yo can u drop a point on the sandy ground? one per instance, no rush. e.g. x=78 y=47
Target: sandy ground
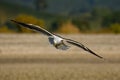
x=31 y=57
x=38 y=44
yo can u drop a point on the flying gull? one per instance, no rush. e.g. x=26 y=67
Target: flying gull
x=57 y=41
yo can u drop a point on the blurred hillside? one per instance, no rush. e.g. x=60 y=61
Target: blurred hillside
x=86 y=16
x=70 y=6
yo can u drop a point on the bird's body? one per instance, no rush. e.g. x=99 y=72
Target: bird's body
x=57 y=41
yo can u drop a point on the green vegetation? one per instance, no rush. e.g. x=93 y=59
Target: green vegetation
x=93 y=16
x=115 y=28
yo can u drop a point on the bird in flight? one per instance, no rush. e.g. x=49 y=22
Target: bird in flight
x=57 y=41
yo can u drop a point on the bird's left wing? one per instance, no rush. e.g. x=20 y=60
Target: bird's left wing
x=34 y=27
x=82 y=46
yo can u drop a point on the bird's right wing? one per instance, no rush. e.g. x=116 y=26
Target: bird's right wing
x=34 y=27
x=82 y=46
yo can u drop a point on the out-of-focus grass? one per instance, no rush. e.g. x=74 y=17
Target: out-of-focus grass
x=82 y=71
x=23 y=57
x=58 y=67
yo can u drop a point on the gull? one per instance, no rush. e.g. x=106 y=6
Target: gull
x=57 y=41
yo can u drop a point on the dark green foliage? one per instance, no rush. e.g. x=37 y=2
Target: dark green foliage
x=56 y=24
x=111 y=19
x=12 y=27
x=86 y=15
x=82 y=25
x=40 y=5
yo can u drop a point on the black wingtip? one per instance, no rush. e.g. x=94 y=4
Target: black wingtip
x=101 y=58
x=14 y=21
x=21 y=23
x=96 y=54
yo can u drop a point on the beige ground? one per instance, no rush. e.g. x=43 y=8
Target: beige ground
x=30 y=57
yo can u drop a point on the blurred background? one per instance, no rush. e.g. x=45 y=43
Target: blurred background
x=78 y=16
x=29 y=56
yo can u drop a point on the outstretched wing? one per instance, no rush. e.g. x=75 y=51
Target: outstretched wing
x=82 y=46
x=34 y=27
